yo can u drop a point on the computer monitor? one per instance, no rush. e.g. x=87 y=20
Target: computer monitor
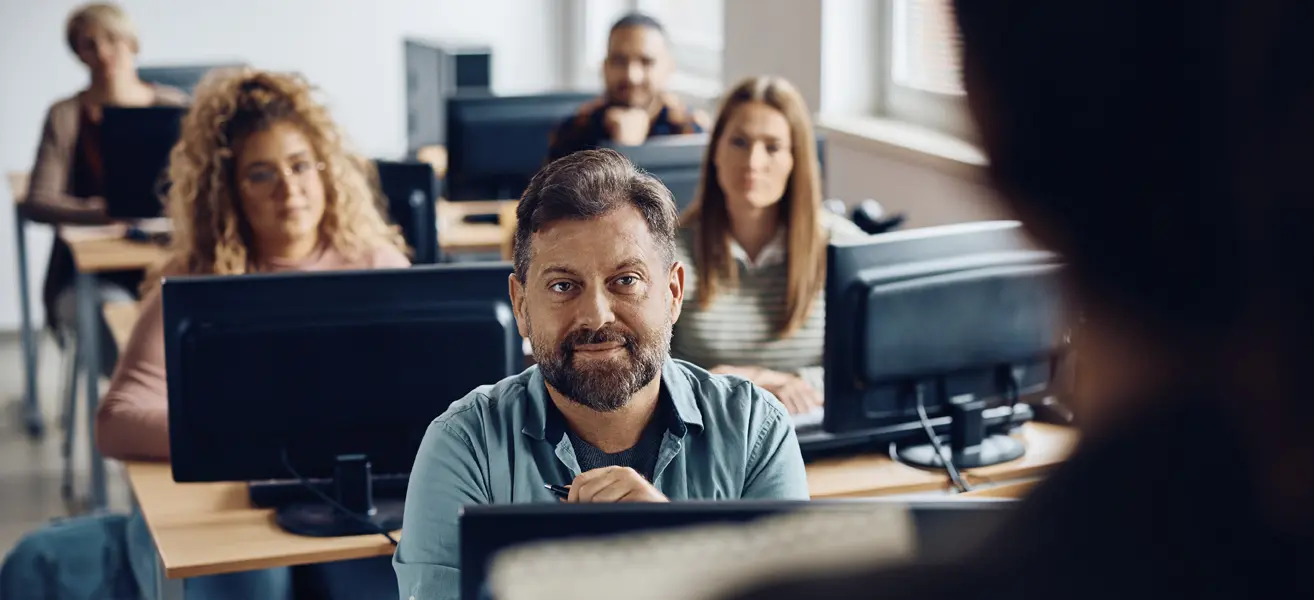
x=183 y=77
x=964 y=320
x=943 y=529
x=495 y=144
x=436 y=70
x=412 y=188
x=677 y=161
x=134 y=147
x=332 y=375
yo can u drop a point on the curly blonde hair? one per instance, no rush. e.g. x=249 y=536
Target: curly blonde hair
x=210 y=234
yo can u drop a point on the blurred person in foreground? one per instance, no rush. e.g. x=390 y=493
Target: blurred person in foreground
x=1164 y=149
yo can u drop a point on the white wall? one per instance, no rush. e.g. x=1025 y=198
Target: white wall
x=352 y=49
x=774 y=37
x=827 y=49
x=926 y=195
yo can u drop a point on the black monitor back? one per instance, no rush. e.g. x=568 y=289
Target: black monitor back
x=183 y=77
x=495 y=144
x=134 y=146
x=412 y=189
x=318 y=365
x=942 y=528
x=677 y=161
x=953 y=303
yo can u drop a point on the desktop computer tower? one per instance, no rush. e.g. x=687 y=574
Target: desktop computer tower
x=435 y=71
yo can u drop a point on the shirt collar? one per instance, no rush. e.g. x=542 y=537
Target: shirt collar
x=674 y=383
x=772 y=254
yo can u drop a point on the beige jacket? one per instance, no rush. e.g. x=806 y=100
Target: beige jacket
x=48 y=194
x=48 y=200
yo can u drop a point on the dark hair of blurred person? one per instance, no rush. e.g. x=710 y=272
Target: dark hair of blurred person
x=1164 y=149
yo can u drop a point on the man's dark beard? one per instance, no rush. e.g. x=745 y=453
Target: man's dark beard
x=608 y=385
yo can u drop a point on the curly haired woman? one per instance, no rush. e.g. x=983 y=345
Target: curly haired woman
x=261 y=182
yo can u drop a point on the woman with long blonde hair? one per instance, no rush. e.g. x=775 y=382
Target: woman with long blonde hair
x=756 y=237
x=262 y=180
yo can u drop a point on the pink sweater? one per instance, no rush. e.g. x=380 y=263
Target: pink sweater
x=133 y=420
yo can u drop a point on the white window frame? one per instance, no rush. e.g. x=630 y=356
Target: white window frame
x=698 y=62
x=697 y=58
x=946 y=113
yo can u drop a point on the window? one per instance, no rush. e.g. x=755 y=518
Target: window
x=922 y=74
x=696 y=29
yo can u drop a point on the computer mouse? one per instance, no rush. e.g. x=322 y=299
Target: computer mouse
x=1050 y=410
x=483 y=218
x=136 y=235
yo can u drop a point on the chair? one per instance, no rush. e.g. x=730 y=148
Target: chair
x=34 y=421
x=72 y=360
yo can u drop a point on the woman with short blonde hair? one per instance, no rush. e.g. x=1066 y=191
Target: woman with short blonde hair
x=108 y=17
x=67 y=184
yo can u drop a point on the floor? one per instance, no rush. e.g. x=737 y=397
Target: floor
x=31 y=470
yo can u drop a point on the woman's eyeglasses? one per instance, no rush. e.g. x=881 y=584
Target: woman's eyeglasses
x=263 y=181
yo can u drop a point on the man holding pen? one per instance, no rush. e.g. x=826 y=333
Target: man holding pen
x=605 y=414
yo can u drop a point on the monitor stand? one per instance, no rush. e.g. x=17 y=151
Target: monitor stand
x=356 y=512
x=967 y=442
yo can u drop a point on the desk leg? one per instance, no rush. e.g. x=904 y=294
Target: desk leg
x=32 y=417
x=165 y=588
x=88 y=336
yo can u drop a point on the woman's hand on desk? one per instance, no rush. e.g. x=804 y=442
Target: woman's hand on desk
x=795 y=393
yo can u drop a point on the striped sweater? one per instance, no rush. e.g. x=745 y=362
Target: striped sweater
x=739 y=328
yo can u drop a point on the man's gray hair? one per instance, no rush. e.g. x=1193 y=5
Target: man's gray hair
x=588 y=185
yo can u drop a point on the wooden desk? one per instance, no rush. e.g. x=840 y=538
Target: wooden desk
x=121 y=318
x=876 y=475
x=210 y=528
x=18 y=181
x=95 y=250
x=102 y=248
x=457 y=236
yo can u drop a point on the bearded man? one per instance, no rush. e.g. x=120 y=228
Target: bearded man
x=605 y=413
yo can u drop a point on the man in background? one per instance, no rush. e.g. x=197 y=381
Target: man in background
x=635 y=105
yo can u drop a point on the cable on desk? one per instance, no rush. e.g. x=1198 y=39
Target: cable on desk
x=331 y=502
x=946 y=458
x=1008 y=382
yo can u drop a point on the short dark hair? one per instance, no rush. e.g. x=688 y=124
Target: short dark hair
x=587 y=185
x=638 y=19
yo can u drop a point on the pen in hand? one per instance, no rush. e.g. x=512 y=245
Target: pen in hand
x=561 y=492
